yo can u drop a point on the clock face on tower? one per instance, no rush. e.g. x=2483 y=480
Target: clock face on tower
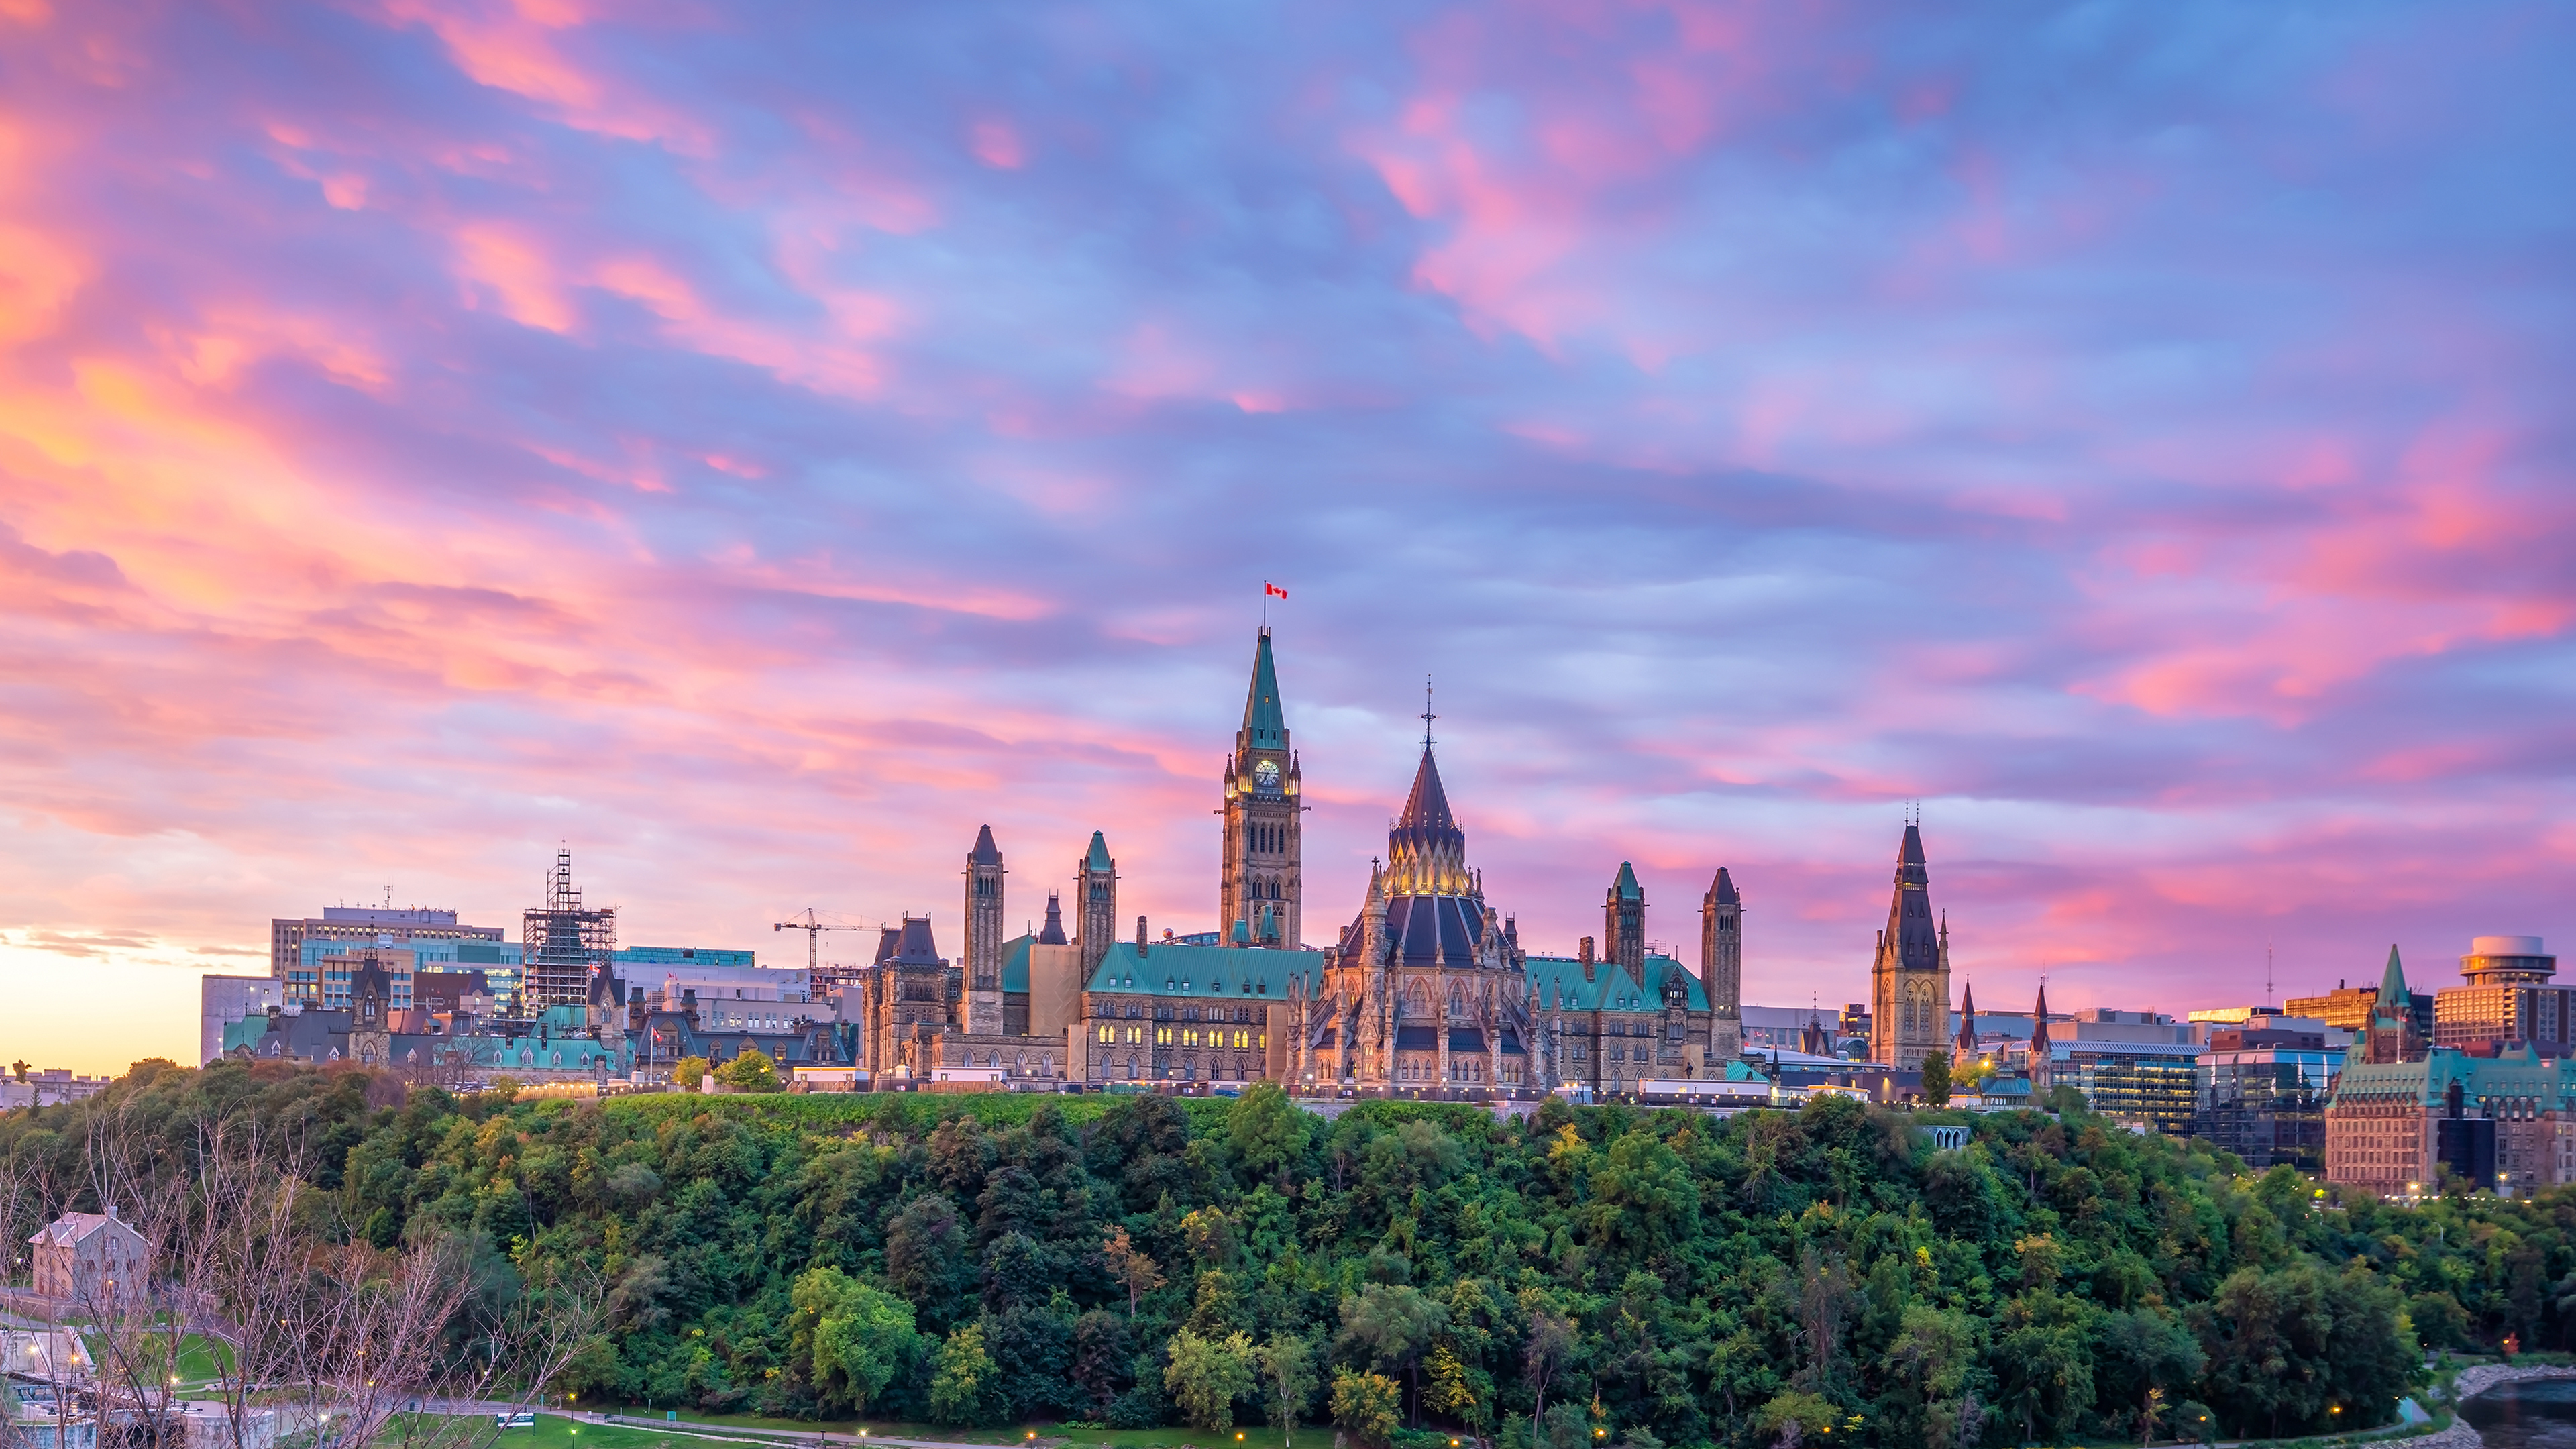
x=1266 y=774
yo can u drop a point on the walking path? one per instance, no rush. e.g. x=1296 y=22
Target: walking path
x=720 y=1433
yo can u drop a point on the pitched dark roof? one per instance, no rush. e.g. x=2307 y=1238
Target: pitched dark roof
x=915 y=947
x=1911 y=933
x=1264 y=725
x=985 y=853
x=1427 y=808
x=1723 y=891
x=1626 y=887
x=1053 y=933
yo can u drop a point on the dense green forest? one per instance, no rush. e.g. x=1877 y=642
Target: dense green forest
x=1594 y=1275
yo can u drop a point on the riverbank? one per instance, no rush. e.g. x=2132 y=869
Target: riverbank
x=2476 y=1380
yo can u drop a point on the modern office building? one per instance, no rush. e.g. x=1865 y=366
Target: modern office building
x=410 y=928
x=2506 y=999
x=2264 y=1085
x=2140 y=1066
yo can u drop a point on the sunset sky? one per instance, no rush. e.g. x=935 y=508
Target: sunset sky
x=756 y=445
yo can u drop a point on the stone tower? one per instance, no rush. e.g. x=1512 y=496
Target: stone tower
x=1909 y=980
x=1623 y=924
x=1095 y=893
x=1258 y=886
x=984 y=936
x=1721 y=967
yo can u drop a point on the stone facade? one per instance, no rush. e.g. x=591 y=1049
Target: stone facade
x=1910 y=975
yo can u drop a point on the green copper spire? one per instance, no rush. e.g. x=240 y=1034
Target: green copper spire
x=2392 y=984
x=1626 y=887
x=1265 y=727
x=1099 y=857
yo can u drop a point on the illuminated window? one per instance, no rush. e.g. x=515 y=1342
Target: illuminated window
x=1265 y=1041
x=1162 y=1036
x=1108 y=1033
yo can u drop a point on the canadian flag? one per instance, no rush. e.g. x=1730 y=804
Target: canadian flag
x=1270 y=590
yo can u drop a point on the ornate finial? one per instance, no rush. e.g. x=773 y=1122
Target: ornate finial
x=1427 y=715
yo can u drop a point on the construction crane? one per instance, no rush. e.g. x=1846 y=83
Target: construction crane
x=813 y=927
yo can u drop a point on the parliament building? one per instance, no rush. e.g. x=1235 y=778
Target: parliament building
x=1426 y=991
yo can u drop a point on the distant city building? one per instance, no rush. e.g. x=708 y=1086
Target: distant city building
x=407 y=927
x=224 y=1000
x=336 y=965
x=2507 y=999
x=2140 y=1066
x=630 y=958
x=1909 y=1006
x=47 y=1087
x=1798 y=1028
x=2348 y=1008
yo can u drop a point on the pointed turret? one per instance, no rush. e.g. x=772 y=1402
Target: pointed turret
x=1095 y=893
x=985 y=852
x=1968 y=1020
x=1721 y=892
x=1623 y=923
x=1053 y=933
x=2039 y=1051
x=2392 y=985
x=1427 y=808
x=1265 y=725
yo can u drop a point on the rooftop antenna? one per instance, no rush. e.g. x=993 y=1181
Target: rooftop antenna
x=2267 y=971
x=1427 y=715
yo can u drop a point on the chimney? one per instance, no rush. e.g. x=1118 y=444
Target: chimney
x=111 y=1212
x=1585 y=952
x=1140 y=938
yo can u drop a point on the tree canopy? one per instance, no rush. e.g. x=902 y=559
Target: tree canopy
x=1589 y=1275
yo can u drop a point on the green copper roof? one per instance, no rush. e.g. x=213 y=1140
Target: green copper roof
x=1098 y=859
x=1626 y=887
x=1015 y=964
x=2392 y=983
x=1235 y=973
x=1610 y=988
x=1263 y=722
x=2513 y=1074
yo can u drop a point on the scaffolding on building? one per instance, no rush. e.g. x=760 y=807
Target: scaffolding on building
x=564 y=944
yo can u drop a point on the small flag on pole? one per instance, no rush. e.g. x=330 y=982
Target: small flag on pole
x=1270 y=590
